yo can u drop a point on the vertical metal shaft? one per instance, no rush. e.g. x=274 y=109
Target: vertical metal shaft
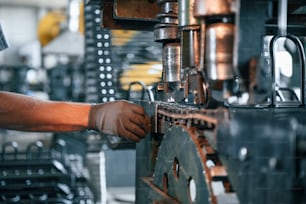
x=282 y=16
x=202 y=45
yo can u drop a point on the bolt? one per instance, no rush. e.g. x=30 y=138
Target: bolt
x=243 y=153
x=273 y=163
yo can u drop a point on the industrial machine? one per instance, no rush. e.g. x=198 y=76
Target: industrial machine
x=228 y=116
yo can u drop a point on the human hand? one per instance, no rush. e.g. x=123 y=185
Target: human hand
x=120 y=118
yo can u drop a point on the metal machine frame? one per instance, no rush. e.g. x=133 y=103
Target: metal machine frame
x=203 y=147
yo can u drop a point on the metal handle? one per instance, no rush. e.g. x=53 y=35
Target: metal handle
x=301 y=52
x=143 y=91
x=60 y=148
x=35 y=147
x=5 y=146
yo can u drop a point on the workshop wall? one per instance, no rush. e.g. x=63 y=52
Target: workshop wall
x=19 y=25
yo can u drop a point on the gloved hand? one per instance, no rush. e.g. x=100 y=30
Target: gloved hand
x=120 y=118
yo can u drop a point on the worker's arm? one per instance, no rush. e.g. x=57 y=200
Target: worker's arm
x=20 y=112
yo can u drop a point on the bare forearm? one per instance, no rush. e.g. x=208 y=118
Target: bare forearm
x=21 y=112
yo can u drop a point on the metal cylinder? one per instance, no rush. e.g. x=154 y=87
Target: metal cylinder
x=171 y=62
x=190 y=45
x=282 y=17
x=167 y=29
x=219 y=51
x=165 y=32
x=169 y=7
x=159 y=2
x=168 y=18
x=213 y=7
x=186 y=12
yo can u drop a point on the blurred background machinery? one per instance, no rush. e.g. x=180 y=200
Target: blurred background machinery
x=67 y=55
x=223 y=82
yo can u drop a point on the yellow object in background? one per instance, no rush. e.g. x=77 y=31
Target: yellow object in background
x=148 y=73
x=81 y=19
x=49 y=26
x=121 y=37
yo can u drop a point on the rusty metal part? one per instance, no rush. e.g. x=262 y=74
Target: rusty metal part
x=197 y=87
x=170 y=91
x=164 y=32
x=180 y=167
x=161 y=197
x=188 y=176
x=218 y=173
x=191 y=175
x=137 y=9
x=213 y=7
x=130 y=15
x=188 y=115
x=219 y=51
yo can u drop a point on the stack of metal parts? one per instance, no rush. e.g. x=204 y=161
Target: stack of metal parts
x=97 y=57
x=66 y=82
x=166 y=32
x=13 y=78
x=42 y=175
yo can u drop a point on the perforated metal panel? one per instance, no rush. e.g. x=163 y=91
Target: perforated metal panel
x=98 y=63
